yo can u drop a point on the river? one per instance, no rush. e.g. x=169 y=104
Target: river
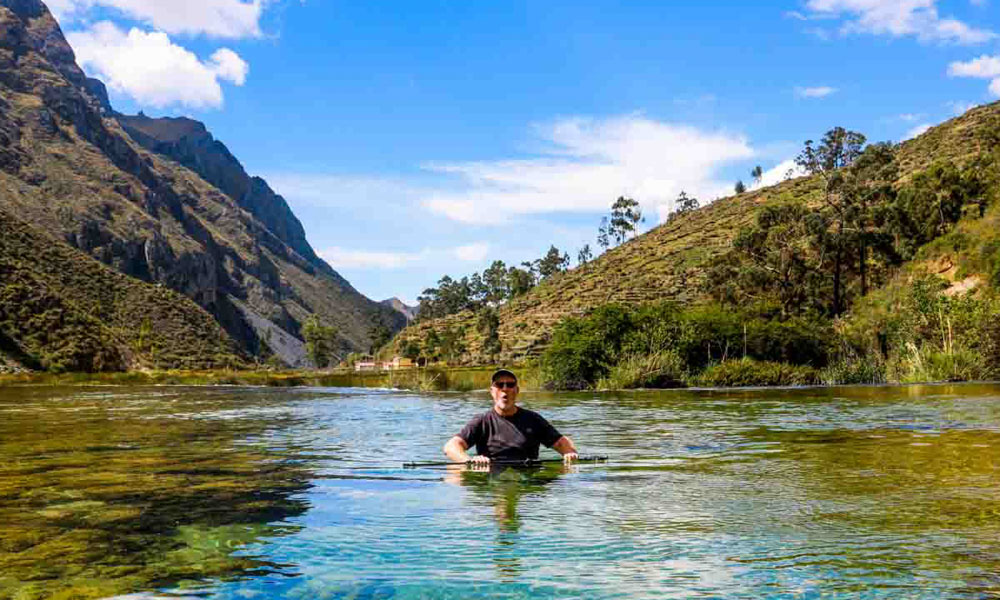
x=244 y=493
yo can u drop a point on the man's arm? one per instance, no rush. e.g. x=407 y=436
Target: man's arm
x=456 y=450
x=565 y=446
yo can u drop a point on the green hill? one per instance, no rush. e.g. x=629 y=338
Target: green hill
x=61 y=310
x=671 y=261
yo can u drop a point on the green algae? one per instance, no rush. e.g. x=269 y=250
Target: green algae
x=94 y=503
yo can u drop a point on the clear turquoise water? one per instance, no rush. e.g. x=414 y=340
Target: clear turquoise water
x=246 y=493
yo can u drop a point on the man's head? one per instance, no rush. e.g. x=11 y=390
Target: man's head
x=503 y=389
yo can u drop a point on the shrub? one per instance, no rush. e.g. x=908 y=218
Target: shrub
x=854 y=368
x=660 y=370
x=584 y=350
x=748 y=372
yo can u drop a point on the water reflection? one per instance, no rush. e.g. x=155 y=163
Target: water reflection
x=503 y=487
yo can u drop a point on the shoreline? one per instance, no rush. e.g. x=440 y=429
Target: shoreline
x=454 y=379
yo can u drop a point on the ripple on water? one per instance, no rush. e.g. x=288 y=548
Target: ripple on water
x=259 y=493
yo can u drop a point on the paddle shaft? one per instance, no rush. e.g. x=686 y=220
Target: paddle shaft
x=528 y=462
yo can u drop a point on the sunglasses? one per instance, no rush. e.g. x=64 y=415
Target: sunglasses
x=508 y=385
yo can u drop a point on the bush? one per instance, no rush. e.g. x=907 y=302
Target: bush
x=751 y=373
x=854 y=368
x=661 y=370
x=584 y=350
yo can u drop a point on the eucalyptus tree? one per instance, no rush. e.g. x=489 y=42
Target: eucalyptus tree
x=838 y=150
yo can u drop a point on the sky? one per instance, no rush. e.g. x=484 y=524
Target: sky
x=421 y=139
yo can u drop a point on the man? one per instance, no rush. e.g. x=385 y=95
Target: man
x=507 y=432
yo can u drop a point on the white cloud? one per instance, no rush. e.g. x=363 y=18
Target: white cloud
x=341 y=258
x=472 y=252
x=229 y=66
x=960 y=108
x=899 y=18
x=815 y=92
x=153 y=70
x=586 y=164
x=984 y=67
x=217 y=18
x=345 y=258
x=915 y=131
x=319 y=189
x=786 y=169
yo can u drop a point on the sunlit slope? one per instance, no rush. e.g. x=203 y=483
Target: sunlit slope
x=667 y=263
x=69 y=168
x=62 y=310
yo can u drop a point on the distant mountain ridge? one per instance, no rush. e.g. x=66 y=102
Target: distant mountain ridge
x=172 y=207
x=410 y=312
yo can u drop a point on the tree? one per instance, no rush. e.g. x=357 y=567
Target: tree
x=431 y=344
x=320 y=341
x=519 y=281
x=488 y=324
x=603 y=234
x=553 y=262
x=380 y=336
x=758 y=174
x=584 y=255
x=837 y=151
x=772 y=261
x=410 y=349
x=739 y=188
x=625 y=218
x=684 y=204
x=452 y=343
x=496 y=284
x=870 y=189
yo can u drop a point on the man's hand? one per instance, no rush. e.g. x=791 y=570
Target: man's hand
x=565 y=446
x=479 y=463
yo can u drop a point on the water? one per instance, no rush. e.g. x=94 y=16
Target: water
x=259 y=493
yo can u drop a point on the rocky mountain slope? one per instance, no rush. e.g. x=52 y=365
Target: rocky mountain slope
x=173 y=207
x=410 y=312
x=667 y=263
x=61 y=310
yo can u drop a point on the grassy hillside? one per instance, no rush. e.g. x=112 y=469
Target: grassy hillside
x=61 y=310
x=669 y=262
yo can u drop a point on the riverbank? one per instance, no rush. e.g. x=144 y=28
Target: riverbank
x=424 y=379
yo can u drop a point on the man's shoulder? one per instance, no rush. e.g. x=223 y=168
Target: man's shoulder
x=527 y=413
x=483 y=416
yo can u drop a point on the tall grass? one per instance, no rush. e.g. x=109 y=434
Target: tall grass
x=663 y=369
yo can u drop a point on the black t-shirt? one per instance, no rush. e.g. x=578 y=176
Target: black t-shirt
x=509 y=438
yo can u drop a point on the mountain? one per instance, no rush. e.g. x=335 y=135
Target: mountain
x=61 y=310
x=668 y=262
x=410 y=312
x=158 y=200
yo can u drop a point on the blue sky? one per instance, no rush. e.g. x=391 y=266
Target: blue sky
x=415 y=140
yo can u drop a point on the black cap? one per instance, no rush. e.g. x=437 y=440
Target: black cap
x=500 y=372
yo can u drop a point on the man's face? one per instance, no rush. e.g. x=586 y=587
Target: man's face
x=504 y=391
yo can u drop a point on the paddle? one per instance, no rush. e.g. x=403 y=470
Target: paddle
x=528 y=462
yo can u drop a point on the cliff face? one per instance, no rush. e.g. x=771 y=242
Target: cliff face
x=68 y=167
x=189 y=143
